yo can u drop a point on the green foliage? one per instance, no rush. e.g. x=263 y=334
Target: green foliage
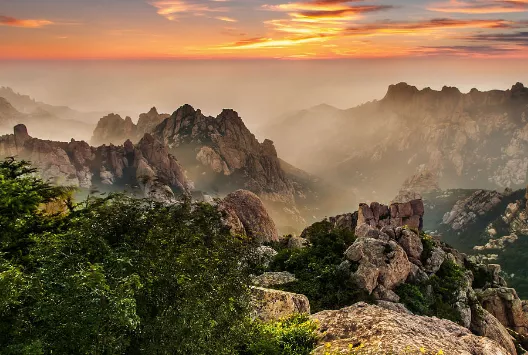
x=295 y=335
x=413 y=298
x=428 y=246
x=115 y=275
x=436 y=296
x=322 y=275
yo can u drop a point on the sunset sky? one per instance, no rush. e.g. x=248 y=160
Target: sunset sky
x=142 y=29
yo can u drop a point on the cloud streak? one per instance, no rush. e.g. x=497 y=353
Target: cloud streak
x=481 y=6
x=174 y=9
x=26 y=23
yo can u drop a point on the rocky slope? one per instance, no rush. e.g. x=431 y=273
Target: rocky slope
x=146 y=166
x=370 y=329
x=406 y=271
x=472 y=140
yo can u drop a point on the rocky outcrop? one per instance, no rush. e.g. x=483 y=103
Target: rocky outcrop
x=465 y=212
x=396 y=215
x=504 y=304
x=148 y=121
x=147 y=165
x=381 y=263
x=113 y=129
x=372 y=329
x=268 y=305
x=273 y=279
x=245 y=214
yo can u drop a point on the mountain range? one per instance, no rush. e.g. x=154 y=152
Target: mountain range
x=469 y=140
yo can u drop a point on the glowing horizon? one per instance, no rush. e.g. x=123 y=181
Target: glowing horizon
x=252 y=29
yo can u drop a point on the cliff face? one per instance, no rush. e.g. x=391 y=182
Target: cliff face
x=147 y=166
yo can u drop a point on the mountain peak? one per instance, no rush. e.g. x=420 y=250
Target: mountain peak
x=400 y=91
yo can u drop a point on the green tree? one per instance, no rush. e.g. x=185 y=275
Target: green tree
x=115 y=275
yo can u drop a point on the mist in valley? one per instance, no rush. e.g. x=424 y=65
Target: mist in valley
x=308 y=108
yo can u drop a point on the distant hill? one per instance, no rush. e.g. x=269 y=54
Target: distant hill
x=44 y=123
x=28 y=105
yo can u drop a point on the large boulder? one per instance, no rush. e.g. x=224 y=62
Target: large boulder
x=485 y=324
x=267 y=304
x=245 y=213
x=380 y=263
x=504 y=304
x=270 y=279
x=382 y=331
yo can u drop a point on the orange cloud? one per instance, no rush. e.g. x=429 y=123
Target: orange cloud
x=11 y=21
x=481 y=6
x=425 y=26
x=226 y=19
x=261 y=42
x=172 y=9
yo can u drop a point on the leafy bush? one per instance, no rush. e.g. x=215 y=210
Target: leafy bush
x=294 y=335
x=115 y=275
x=436 y=296
x=322 y=273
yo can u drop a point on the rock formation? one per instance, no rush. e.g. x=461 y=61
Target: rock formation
x=147 y=165
x=389 y=252
x=267 y=304
x=372 y=329
x=113 y=129
x=148 y=121
x=245 y=214
x=504 y=304
x=273 y=279
x=466 y=211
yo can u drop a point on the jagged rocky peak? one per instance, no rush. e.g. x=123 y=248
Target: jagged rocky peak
x=147 y=166
x=519 y=90
x=147 y=122
x=400 y=91
x=113 y=129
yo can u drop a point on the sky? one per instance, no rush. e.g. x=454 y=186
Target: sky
x=241 y=29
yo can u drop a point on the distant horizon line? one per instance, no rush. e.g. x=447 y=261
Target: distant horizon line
x=278 y=59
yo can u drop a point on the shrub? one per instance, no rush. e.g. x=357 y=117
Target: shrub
x=294 y=335
x=322 y=273
x=436 y=296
